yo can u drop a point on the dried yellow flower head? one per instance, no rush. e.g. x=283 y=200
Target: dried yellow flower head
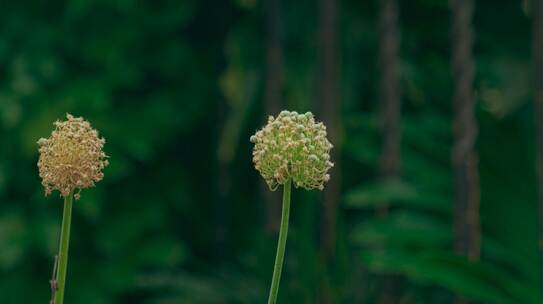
x=72 y=158
x=293 y=146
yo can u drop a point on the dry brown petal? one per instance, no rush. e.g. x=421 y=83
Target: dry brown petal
x=72 y=158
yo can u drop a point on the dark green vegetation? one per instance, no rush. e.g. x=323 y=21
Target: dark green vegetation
x=177 y=88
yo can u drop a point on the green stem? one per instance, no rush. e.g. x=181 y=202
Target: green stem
x=280 y=245
x=64 y=246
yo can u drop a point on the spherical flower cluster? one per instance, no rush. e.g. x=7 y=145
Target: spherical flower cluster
x=293 y=147
x=72 y=158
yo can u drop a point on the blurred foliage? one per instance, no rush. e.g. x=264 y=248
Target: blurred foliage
x=176 y=88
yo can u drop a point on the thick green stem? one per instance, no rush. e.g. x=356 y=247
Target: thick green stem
x=280 y=245
x=64 y=246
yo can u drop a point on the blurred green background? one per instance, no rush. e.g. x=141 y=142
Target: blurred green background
x=177 y=88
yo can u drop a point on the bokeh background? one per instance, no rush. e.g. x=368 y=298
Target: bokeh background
x=177 y=88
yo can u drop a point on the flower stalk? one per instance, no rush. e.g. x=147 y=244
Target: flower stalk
x=63 y=251
x=71 y=159
x=291 y=148
x=281 y=244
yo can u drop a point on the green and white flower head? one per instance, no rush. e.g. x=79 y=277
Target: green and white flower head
x=72 y=158
x=293 y=146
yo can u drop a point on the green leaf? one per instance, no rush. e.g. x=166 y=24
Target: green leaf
x=395 y=193
x=474 y=280
x=403 y=228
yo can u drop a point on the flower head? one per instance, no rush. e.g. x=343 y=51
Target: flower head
x=72 y=158
x=293 y=146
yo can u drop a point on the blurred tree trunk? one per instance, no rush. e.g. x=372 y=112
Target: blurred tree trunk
x=464 y=155
x=330 y=104
x=389 y=115
x=389 y=91
x=223 y=190
x=274 y=80
x=537 y=53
